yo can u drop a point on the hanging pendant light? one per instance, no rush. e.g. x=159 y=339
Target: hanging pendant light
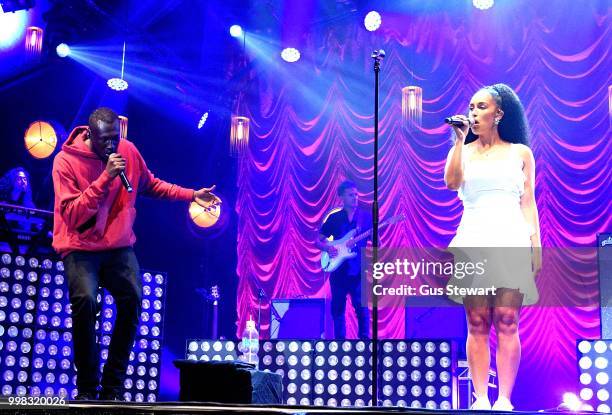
x=33 y=40
x=412 y=105
x=239 y=135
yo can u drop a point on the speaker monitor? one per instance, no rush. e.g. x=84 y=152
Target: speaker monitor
x=297 y=318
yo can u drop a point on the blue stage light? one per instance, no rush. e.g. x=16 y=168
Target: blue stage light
x=117 y=84
x=63 y=50
x=203 y=120
x=236 y=31
x=372 y=21
x=12 y=26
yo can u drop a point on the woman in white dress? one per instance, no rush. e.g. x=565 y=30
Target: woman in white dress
x=493 y=169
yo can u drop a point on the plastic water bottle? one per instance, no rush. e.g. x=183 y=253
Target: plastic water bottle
x=250 y=343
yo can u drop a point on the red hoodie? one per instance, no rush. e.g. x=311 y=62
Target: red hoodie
x=93 y=212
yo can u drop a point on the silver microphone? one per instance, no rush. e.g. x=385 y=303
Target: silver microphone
x=458 y=122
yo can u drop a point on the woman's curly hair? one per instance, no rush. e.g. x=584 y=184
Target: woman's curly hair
x=513 y=127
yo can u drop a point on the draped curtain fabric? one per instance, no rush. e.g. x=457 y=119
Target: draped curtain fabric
x=312 y=127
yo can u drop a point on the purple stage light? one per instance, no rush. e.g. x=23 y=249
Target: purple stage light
x=290 y=55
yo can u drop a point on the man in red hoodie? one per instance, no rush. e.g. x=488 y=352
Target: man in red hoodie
x=94 y=215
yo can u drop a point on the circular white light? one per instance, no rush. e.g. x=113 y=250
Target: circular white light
x=430 y=376
x=235 y=31
x=585 y=362
x=601 y=362
x=603 y=408
x=63 y=50
x=117 y=84
x=602 y=378
x=372 y=21
x=586 y=378
x=600 y=346
x=603 y=395
x=290 y=55
x=586 y=394
x=483 y=4
x=319 y=360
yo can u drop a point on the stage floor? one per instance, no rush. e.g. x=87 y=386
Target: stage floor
x=111 y=408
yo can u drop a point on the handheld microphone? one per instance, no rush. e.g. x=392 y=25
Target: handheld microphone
x=458 y=122
x=124 y=180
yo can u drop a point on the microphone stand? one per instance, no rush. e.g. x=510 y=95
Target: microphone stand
x=377 y=55
x=261 y=294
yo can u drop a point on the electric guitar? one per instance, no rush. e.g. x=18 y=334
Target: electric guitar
x=344 y=252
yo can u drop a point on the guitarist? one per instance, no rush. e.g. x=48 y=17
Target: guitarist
x=346 y=280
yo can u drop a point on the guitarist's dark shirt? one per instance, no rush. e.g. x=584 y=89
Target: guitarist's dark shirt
x=338 y=225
